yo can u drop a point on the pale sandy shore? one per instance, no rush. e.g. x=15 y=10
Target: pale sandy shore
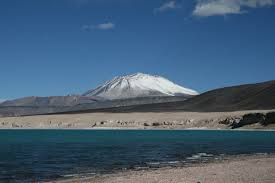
x=142 y=120
x=250 y=169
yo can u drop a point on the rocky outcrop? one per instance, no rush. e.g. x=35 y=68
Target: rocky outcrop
x=269 y=118
x=229 y=121
x=249 y=119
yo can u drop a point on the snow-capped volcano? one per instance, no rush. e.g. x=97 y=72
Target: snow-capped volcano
x=139 y=85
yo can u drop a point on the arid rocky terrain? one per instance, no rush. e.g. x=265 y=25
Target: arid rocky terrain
x=141 y=120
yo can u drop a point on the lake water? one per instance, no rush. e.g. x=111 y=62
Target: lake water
x=38 y=155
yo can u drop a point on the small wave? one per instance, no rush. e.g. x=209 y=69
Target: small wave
x=141 y=167
x=173 y=162
x=71 y=175
x=193 y=157
x=79 y=175
x=199 y=156
x=163 y=163
x=153 y=163
x=205 y=155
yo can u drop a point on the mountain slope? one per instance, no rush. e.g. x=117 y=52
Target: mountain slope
x=243 y=97
x=139 y=85
x=259 y=96
x=133 y=86
x=136 y=89
x=57 y=101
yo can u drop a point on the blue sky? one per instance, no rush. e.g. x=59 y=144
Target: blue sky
x=60 y=47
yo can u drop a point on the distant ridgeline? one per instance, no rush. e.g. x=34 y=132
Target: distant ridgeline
x=135 y=89
x=25 y=110
x=259 y=96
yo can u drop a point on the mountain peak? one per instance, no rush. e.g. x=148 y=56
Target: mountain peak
x=135 y=75
x=139 y=85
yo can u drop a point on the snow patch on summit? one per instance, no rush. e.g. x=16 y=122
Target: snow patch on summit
x=139 y=85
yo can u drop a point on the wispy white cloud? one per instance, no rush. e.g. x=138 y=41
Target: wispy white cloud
x=103 y=26
x=205 y=8
x=171 y=5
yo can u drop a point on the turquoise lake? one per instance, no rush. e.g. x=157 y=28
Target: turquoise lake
x=38 y=155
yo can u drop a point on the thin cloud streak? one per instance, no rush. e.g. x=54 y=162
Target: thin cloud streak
x=171 y=5
x=103 y=26
x=206 y=8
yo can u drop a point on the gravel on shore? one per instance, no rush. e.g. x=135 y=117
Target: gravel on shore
x=252 y=169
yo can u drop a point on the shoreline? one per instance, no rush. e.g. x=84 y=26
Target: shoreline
x=168 y=120
x=145 y=129
x=249 y=168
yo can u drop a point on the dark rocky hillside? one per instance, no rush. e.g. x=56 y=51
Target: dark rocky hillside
x=243 y=97
x=257 y=96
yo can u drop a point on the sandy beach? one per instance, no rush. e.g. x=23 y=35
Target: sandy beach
x=252 y=169
x=141 y=120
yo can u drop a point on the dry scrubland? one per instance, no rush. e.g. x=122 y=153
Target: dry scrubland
x=143 y=120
